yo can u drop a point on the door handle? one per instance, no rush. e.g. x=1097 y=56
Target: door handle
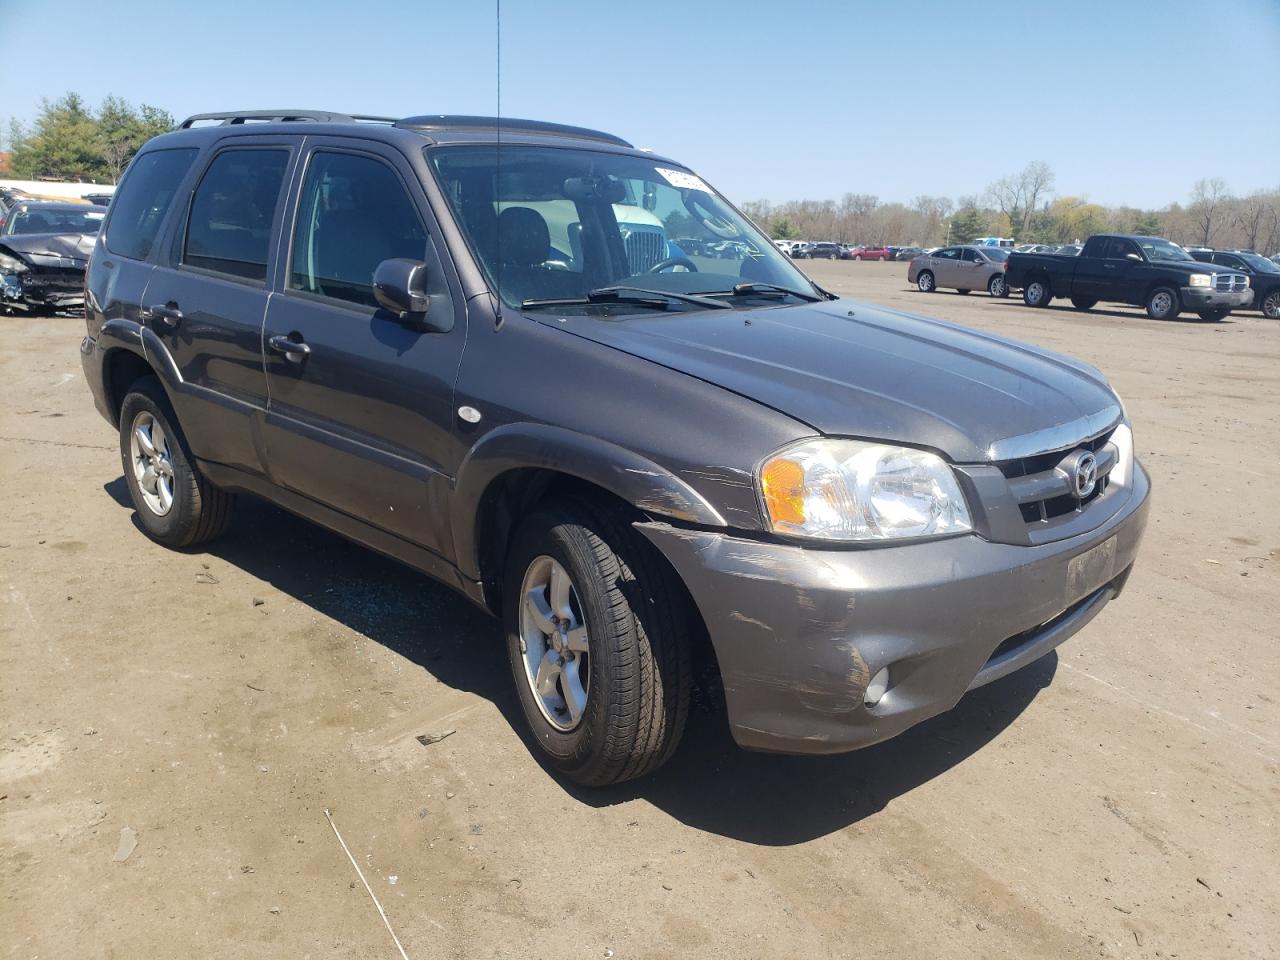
x=166 y=313
x=1108 y=266
x=295 y=351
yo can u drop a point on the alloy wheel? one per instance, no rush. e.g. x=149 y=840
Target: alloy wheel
x=554 y=642
x=152 y=464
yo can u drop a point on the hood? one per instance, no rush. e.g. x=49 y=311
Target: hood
x=51 y=249
x=851 y=369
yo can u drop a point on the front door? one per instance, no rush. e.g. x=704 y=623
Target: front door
x=360 y=416
x=1110 y=276
x=207 y=299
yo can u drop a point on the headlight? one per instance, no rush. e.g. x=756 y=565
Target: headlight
x=1122 y=437
x=850 y=490
x=10 y=264
x=1201 y=280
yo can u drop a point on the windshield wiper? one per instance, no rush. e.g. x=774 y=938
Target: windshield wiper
x=621 y=293
x=747 y=289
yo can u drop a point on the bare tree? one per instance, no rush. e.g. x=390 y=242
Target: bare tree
x=1019 y=195
x=1208 y=202
x=1251 y=215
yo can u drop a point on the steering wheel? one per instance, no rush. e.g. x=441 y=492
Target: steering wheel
x=673 y=262
x=703 y=212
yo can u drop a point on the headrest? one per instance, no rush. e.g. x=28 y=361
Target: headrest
x=523 y=237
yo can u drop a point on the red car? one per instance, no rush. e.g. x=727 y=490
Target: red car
x=870 y=252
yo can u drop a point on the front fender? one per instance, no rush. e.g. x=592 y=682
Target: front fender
x=514 y=446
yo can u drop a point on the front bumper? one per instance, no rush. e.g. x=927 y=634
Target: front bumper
x=799 y=633
x=1205 y=298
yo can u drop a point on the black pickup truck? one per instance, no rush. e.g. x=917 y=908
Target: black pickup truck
x=1142 y=271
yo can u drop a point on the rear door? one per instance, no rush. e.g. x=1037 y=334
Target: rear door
x=945 y=265
x=207 y=301
x=361 y=412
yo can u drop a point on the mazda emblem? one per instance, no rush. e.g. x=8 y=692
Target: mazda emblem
x=1086 y=475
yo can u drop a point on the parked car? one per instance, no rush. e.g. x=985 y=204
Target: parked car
x=825 y=251
x=907 y=253
x=962 y=268
x=366 y=324
x=98 y=199
x=1142 y=271
x=800 y=249
x=872 y=251
x=1068 y=250
x=1263 y=274
x=44 y=249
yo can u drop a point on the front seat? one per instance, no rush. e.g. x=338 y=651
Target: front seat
x=524 y=246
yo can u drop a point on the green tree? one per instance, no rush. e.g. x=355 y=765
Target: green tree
x=68 y=141
x=782 y=230
x=1148 y=224
x=967 y=224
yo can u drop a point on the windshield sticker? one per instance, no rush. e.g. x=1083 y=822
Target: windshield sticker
x=682 y=179
x=94 y=216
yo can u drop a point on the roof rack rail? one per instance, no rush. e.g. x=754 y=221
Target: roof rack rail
x=235 y=117
x=443 y=122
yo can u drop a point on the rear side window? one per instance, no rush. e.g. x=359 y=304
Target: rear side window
x=353 y=213
x=143 y=199
x=951 y=253
x=229 y=229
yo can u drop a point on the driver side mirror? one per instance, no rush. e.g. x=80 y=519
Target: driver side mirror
x=400 y=287
x=1135 y=257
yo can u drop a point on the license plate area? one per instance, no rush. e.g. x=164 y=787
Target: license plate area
x=1088 y=571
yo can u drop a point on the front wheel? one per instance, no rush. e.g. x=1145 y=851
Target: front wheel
x=176 y=505
x=858 y=257
x=1271 y=305
x=1163 y=304
x=925 y=282
x=1214 y=315
x=997 y=286
x=1083 y=303
x=1036 y=293
x=598 y=634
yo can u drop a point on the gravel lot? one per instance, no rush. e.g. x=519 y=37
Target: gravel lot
x=1117 y=799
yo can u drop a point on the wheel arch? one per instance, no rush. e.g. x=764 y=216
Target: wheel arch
x=519 y=465
x=121 y=368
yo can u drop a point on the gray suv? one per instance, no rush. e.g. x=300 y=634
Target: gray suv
x=479 y=347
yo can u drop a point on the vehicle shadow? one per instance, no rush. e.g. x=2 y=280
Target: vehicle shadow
x=1137 y=313
x=710 y=784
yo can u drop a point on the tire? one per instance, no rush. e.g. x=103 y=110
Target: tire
x=1083 y=303
x=998 y=286
x=1271 y=305
x=1036 y=293
x=925 y=282
x=1214 y=316
x=1162 y=303
x=637 y=641
x=179 y=507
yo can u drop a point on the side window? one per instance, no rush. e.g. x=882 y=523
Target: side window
x=970 y=255
x=1119 y=249
x=353 y=214
x=143 y=199
x=950 y=253
x=229 y=229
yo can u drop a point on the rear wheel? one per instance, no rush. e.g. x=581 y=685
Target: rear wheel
x=1214 y=315
x=1162 y=304
x=175 y=504
x=925 y=282
x=1036 y=293
x=1271 y=305
x=598 y=634
x=997 y=286
x=1083 y=303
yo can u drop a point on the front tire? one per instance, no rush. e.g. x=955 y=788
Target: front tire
x=598 y=635
x=997 y=286
x=176 y=506
x=1213 y=316
x=1036 y=293
x=858 y=257
x=925 y=282
x=1271 y=305
x=1163 y=304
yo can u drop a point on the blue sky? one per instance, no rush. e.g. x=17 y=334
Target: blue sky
x=1129 y=101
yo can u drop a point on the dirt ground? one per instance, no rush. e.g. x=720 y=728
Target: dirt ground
x=1117 y=799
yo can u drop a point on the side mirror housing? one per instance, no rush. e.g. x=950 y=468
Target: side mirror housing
x=400 y=287
x=1135 y=257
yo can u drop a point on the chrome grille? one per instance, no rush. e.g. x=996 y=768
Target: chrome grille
x=1230 y=282
x=1043 y=486
x=644 y=249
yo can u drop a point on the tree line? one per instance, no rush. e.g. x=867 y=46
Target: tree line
x=1024 y=206
x=70 y=141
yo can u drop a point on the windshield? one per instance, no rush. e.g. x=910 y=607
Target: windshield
x=55 y=220
x=548 y=223
x=1163 y=250
x=1261 y=264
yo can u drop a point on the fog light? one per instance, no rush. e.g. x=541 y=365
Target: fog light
x=876 y=688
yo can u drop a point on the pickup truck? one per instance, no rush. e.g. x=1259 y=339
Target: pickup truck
x=1142 y=271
